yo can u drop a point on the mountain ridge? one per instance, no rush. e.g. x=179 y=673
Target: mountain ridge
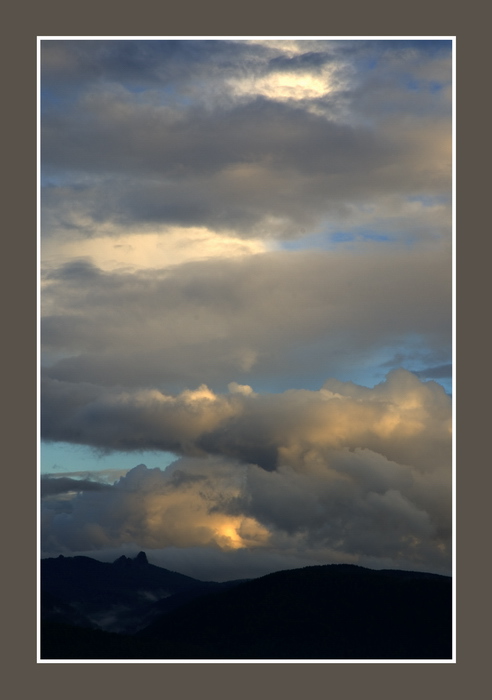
x=119 y=596
x=333 y=611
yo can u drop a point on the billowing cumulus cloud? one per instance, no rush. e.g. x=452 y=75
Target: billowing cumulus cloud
x=225 y=224
x=154 y=509
x=347 y=473
x=392 y=419
x=355 y=471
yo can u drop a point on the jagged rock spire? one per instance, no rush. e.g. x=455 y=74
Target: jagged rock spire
x=141 y=558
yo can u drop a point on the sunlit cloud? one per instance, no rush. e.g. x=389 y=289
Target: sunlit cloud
x=246 y=262
x=285 y=86
x=136 y=251
x=347 y=473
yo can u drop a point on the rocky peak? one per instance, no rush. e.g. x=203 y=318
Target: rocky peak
x=141 y=559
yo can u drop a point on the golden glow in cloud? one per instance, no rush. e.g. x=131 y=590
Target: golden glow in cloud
x=180 y=508
x=185 y=511
x=120 y=249
x=285 y=85
x=240 y=532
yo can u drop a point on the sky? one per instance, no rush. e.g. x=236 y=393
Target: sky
x=246 y=302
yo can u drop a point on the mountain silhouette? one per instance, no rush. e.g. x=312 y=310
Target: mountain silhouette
x=122 y=596
x=320 y=612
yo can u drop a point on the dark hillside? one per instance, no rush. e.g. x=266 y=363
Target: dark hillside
x=331 y=612
x=122 y=596
x=320 y=612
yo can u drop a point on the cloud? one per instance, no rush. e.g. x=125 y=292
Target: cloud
x=220 y=319
x=346 y=473
x=158 y=177
x=155 y=509
x=224 y=217
x=105 y=476
x=401 y=418
x=144 y=62
x=260 y=139
x=131 y=250
x=289 y=173
x=61 y=484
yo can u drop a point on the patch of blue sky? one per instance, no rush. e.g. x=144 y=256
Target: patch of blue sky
x=312 y=240
x=49 y=97
x=415 y=355
x=368 y=55
x=158 y=93
x=436 y=87
x=76 y=181
x=429 y=200
x=371 y=375
x=412 y=352
x=369 y=64
x=65 y=457
x=56 y=98
x=328 y=240
x=413 y=84
x=310 y=379
x=420 y=85
x=368 y=375
x=50 y=179
x=359 y=235
x=310 y=366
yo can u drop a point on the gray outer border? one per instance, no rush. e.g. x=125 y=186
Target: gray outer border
x=420 y=18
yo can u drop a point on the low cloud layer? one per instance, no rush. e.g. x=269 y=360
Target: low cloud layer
x=51 y=486
x=347 y=473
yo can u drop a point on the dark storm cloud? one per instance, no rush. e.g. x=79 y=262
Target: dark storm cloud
x=242 y=158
